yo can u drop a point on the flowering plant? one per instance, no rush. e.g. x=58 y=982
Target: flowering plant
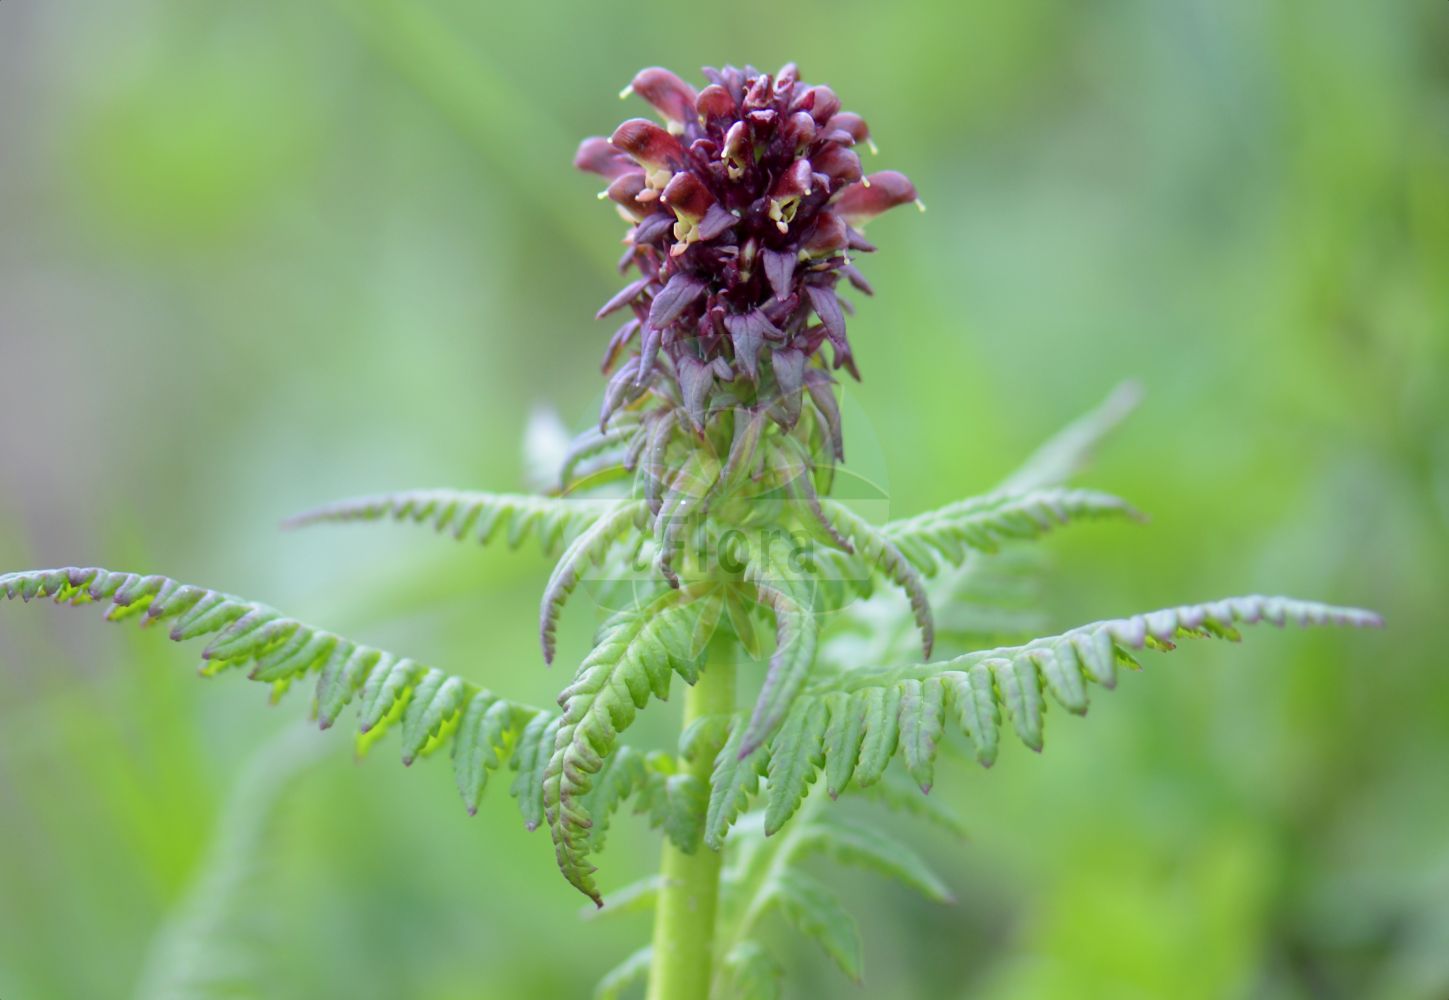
x=712 y=468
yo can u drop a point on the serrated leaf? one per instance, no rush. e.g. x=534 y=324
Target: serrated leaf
x=796 y=754
x=630 y=972
x=881 y=709
x=843 y=737
x=749 y=972
x=921 y=725
x=815 y=912
x=866 y=847
x=732 y=783
x=464 y=514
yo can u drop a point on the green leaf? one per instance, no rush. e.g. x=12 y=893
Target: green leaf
x=1070 y=450
x=876 y=550
x=881 y=710
x=489 y=728
x=815 y=912
x=921 y=725
x=863 y=846
x=983 y=524
x=1013 y=677
x=796 y=632
x=732 y=783
x=798 y=752
x=902 y=795
x=637 y=653
x=530 y=760
x=636 y=897
x=481 y=516
x=630 y=972
x=749 y=972
x=974 y=695
x=432 y=706
x=588 y=549
x=843 y=737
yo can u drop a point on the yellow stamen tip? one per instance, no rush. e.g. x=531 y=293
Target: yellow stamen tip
x=920 y=204
x=865 y=182
x=874 y=149
x=624 y=94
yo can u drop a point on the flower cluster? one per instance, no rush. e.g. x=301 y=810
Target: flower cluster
x=744 y=208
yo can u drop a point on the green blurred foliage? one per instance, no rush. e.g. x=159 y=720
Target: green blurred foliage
x=254 y=256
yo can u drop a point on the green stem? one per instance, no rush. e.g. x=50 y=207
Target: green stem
x=683 y=949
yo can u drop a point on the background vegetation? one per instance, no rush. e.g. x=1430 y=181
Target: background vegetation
x=255 y=256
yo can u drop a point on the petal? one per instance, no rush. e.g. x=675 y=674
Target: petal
x=820 y=102
x=687 y=196
x=799 y=130
x=829 y=236
x=597 y=156
x=737 y=154
x=671 y=96
x=625 y=192
x=851 y=124
x=714 y=104
x=648 y=144
x=795 y=182
x=840 y=164
x=860 y=203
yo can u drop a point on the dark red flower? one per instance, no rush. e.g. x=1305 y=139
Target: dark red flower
x=745 y=209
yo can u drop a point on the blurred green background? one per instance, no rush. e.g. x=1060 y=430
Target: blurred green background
x=257 y=256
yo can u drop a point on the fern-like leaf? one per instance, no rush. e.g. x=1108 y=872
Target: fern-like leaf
x=865 y=847
x=481 y=516
x=630 y=972
x=1066 y=453
x=429 y=706
x=1017 y=679
x=588 y=549
x=635 y=658
x=814 y=911
x=796 y=632
x=749 y=972
x=878 y=551
x=982 y=524
x=735 y=778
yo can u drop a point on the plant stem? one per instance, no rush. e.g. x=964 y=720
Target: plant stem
x=683 y=948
